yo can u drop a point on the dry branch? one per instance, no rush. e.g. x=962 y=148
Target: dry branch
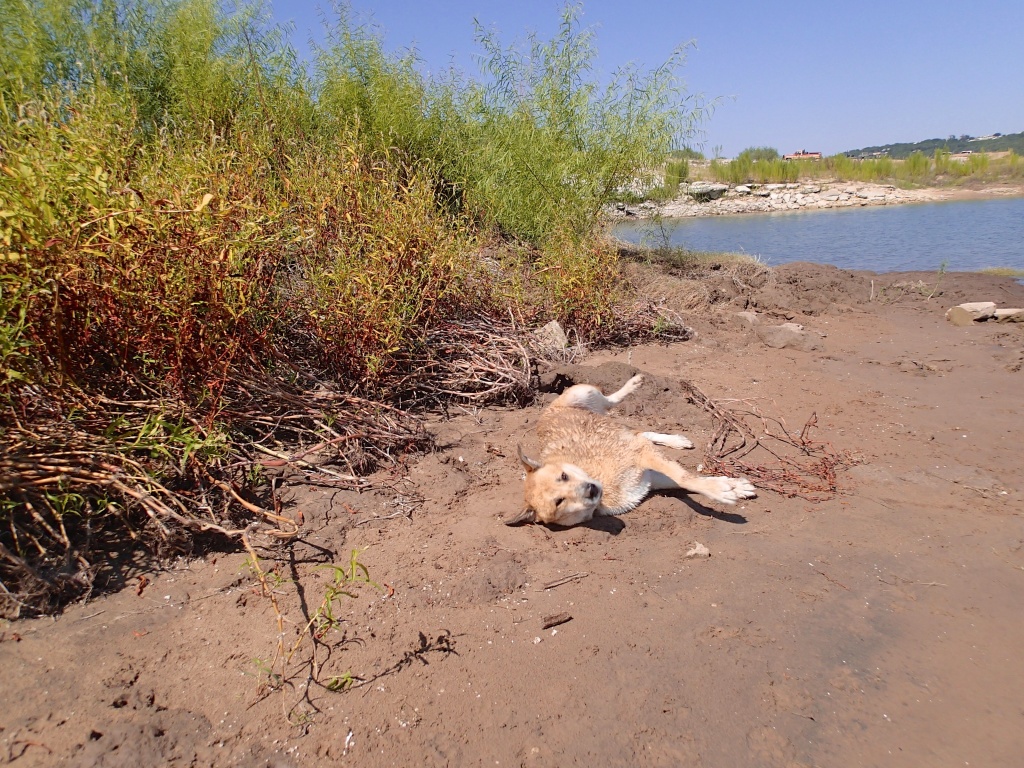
x=798 y=466
x=477 y=360
x=82 y=478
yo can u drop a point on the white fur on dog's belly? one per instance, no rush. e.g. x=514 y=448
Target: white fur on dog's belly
x=630 y=497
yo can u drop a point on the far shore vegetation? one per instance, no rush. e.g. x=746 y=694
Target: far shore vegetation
x=996 y=142
x=765 y=165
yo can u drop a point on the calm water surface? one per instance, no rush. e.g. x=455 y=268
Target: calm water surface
x=968 y=235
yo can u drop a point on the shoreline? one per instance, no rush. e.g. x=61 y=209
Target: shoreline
x=711 y=199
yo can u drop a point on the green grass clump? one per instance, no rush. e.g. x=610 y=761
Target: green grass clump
x=676 y=172
x=1003 y=271
x=687 y=260
x=745 y=169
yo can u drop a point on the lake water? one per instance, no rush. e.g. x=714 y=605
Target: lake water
x=967 y=235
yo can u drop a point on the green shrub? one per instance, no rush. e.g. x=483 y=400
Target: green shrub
x=686 y=153
x=759 y=154
x=554 y=146
x=381 y=264
x=204 y=250
x=165 y=162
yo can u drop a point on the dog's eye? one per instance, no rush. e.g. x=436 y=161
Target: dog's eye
x=558 y=503
x=564 y=477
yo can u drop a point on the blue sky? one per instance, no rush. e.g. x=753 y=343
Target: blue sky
x=792 y=75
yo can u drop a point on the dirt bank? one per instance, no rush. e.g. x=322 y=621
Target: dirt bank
x=879 y=627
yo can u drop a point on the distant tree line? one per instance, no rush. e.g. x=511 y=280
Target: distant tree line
x=964 y=143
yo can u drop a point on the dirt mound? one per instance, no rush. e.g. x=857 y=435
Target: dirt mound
x=810 y=289
x=802 y=288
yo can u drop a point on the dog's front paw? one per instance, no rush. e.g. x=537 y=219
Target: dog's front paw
x=729 y=490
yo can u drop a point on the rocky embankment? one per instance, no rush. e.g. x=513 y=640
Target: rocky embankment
x=709 y=199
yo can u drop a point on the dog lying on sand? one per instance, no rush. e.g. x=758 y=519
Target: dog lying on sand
x=593 y=465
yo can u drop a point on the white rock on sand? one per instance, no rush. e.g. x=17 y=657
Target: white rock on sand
x=967 y=314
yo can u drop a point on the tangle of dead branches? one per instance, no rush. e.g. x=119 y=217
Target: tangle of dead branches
x=799 y=466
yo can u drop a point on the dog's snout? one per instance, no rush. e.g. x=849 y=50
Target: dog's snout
x=592 y=491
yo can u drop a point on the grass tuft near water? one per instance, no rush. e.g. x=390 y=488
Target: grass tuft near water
x=1003 y=271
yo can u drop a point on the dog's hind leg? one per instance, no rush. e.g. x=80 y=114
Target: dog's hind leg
x=669 y=441
x=591 y=399
x=627 y=389
x=664 y=474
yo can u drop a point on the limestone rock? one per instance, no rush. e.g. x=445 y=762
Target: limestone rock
x=698 y=550
x=967 y=314
x=748 y=319
x=787 y=336
x=1009 y=315
x=705 y=190
x=552 y=335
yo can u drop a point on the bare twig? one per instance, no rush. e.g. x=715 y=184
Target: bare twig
x=554 y=620
x=564 y=580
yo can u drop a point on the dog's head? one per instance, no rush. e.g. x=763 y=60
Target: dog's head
x=559 y=494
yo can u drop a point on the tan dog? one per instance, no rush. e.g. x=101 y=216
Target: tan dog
x=593 y=465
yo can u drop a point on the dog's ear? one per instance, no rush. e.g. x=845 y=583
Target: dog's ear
x=528 y=515
x=529 y=464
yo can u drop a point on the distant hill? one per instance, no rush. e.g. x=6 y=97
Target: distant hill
x=993 y=143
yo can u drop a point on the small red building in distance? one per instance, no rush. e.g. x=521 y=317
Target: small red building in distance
x=803 y=154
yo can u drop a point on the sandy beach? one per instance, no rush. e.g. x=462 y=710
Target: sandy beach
x=876 y=622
